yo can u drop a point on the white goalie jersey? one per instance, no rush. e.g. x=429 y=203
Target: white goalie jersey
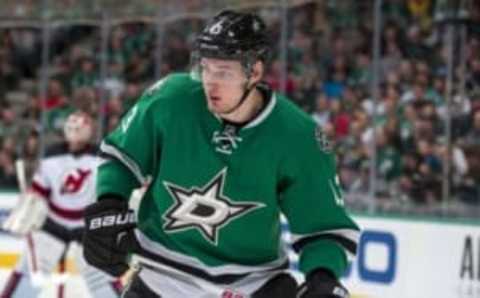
x=67 y=182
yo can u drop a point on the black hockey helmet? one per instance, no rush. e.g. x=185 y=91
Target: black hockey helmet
x=236 y=36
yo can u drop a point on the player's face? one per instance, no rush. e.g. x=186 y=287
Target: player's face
x=224 y=82
x=78 y=131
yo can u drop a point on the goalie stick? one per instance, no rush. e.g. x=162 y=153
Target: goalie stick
x=21 y=175
x=22 y=188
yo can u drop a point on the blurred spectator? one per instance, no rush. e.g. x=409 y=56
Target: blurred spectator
x=328 y=73
x=56 y=106
x=337 y=78
x=7 y=171
x=429 y=169
x=274 y=77
x=388 y=162
x=178 y=53
x=421 y=11
x=469 y=186
x=138 y=69
x=340 y=119
x=8 y=119
x=474 y=76
x=361 y=73
x=415 y=47
x=130 y=96
x=7 y=163
x=9 y=76
x=85 y=74
x=473 y=136
x=85 y=99
x=55 y=96
x=321 y=114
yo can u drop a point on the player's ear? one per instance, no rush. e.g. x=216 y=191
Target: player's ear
x=258 y=71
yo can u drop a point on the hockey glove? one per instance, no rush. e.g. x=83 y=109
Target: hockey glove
x=281 y=286
x=322 y=284
x=109 y=235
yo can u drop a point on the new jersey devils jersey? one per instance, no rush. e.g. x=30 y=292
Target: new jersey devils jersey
x=67 y=181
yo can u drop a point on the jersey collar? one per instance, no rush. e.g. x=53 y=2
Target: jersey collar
x=264 y=114
x=260 y=117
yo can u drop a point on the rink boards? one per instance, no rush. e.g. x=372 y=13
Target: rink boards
x=397 y=257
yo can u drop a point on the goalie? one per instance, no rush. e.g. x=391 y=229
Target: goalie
x=50 y=215
x=225 y=156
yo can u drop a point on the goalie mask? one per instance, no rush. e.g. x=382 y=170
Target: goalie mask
x=78 y=128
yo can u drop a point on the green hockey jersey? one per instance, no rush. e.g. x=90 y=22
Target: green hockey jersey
x=215 y=196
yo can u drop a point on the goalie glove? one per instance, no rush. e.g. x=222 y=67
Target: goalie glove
x=109 y=235
x=322 y=283
x=29 y=215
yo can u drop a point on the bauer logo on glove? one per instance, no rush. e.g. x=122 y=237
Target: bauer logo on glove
x=111 y=220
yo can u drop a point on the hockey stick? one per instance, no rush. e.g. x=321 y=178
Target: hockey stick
x=22 y=187
x=21 y=175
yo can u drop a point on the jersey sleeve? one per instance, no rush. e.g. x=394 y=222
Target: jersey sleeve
x=323 y=233
x=41 y=182
x=132 y=148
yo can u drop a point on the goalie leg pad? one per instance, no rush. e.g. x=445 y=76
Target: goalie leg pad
x=20 y=283
x=44 y=252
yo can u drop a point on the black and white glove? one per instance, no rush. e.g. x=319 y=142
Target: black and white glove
x=109 y=235
x=280 y=286
x=322 y=283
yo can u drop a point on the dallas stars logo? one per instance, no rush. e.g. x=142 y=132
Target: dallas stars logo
x=206 y=209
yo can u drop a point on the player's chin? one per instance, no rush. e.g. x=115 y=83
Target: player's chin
x=216 y=107
x=215 y=110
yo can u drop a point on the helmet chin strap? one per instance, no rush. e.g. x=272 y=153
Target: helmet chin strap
x=244 y=96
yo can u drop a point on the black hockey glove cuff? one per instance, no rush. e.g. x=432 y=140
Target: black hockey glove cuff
x=280 y=286
x=321 y=283
x=109 y=235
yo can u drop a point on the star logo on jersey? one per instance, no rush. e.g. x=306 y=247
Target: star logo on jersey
x=206 y=209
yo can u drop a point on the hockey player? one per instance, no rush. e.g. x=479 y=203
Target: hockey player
x=225 y=156
x=51 y=215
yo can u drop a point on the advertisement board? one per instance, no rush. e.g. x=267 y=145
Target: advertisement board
x=397 y=257
x=415 y=258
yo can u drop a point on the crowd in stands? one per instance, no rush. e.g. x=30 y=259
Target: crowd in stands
x=329 y=74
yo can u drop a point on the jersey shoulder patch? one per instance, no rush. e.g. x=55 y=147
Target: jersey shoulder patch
x=323 y=141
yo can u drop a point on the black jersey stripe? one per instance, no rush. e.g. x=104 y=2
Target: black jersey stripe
x=348 y=244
